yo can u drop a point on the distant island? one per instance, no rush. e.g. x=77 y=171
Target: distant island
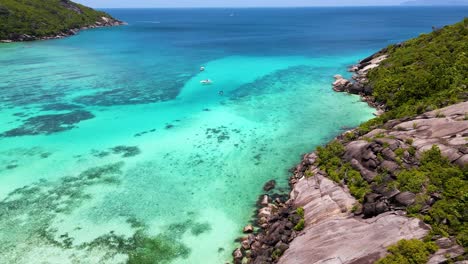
x=436 y=3
x=38 y=19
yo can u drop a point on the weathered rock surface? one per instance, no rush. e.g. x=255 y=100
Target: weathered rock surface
x=334 y=235
x=321 y=198
x=448 y=249
x=446 y=128
x=338 y=229
x=341 y=84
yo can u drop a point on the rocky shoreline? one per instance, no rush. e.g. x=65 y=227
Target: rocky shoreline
x=277 y=219
x=320 y=222
x=103 y=22
x=341 y=229
x=359 y=84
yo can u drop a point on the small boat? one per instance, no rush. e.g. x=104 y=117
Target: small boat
x=206 y=82
x=202 y=68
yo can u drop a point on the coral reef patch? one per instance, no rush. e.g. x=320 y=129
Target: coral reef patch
x=49 y=124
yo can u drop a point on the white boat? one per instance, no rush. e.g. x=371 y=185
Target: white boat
x=202 y=68
x=205 y=82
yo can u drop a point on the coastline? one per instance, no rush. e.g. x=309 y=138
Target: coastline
x=274 y=239
x=104 y=22
x=317 y=203
x=360 y=84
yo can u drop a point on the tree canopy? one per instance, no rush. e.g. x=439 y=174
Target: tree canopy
x=42 y=18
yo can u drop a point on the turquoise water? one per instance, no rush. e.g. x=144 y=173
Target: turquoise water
x=112 y=151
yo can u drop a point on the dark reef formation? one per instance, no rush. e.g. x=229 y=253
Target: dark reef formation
x=49 y=124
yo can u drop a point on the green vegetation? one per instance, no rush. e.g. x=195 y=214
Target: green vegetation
x=329 y=160
x=409 y=252
x=300 y=212
x=276 y=254
x=308 y=174
x=300 y=225
x=425 y=73
x=422 y=74
x=43 y=17
x=439 y=178
x=444 y=186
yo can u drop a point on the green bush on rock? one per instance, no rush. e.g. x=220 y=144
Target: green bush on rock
x=300 y=212
x=437 y=176
x=422 y=74
x=329 y=160
x=300 y=225
x=409 y=252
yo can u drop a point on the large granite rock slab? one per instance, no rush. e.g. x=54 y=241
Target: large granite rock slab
x=334 y=235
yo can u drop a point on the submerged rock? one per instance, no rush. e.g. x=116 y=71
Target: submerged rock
x=270 y=185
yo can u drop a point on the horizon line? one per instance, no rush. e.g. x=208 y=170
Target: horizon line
x=275 y=7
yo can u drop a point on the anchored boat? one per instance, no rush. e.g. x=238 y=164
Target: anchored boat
x=206 y=82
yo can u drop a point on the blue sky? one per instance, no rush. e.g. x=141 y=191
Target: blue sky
x=232 y=3
x=256 y=3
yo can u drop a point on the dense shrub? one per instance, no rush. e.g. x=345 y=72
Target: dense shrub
x=409 y=252
x=300 y=225
x=439 y=178
x=43 y=17
x=329 y=160
x=426 y=72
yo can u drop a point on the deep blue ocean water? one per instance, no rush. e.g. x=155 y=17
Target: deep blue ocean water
x=108 y=135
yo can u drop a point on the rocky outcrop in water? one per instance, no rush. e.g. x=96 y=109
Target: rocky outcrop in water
x=359 y=83
x=341 y=84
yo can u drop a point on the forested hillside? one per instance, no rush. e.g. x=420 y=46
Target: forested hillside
x=34 y=19
x=424 y=73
